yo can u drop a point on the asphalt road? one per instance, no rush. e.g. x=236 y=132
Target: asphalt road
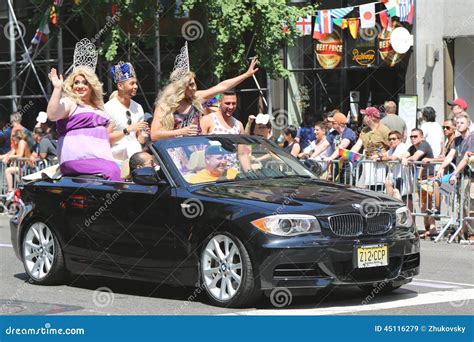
x=444 y=287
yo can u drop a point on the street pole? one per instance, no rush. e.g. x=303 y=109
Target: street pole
x=157 y=48
x=13 y=59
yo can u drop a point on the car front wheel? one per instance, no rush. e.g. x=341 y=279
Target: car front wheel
x=42 y=255
x=227 y=272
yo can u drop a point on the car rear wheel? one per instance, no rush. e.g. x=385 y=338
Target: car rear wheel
x=227 y=272
x=42 y=255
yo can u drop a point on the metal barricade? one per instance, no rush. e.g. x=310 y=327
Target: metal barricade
x=415 y=184
x=20 y=167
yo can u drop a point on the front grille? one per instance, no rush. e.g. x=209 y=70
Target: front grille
x=379 y=224
x=352 y=225
x=347 y=224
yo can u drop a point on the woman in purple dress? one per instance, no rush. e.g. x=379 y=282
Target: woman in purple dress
x=83 y=144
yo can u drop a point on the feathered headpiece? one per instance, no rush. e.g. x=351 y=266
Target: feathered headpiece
x=85 y=54
x=181 y=64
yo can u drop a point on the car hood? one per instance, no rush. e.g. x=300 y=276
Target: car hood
x=299 y=194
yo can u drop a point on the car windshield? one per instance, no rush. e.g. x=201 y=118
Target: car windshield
x=212 y=159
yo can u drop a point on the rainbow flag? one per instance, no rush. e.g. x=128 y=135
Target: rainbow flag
x=353 y=157
x=419 y=172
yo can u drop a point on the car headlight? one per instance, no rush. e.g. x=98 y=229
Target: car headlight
x=288 y=224
x=403 y=217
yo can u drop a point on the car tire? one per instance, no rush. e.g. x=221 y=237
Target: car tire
x=226 y=272
x=42 y=255
x=379 y=288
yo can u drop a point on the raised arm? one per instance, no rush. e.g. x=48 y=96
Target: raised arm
x=57 y=108
x=229 y=83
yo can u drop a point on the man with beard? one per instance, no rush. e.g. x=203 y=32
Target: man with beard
x=127 y=128
x=222 y=121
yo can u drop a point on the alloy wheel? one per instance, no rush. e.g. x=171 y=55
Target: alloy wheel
x=222 y=270
x=39 y=251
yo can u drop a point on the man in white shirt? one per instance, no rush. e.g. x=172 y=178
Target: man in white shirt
x=127 y=129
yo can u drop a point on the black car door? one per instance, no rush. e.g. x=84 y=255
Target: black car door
x=128 y=226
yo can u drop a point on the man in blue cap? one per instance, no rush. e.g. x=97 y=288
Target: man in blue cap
x=127 y=129
x=216 y=166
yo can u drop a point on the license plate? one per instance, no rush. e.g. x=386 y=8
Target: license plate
x=372 y=256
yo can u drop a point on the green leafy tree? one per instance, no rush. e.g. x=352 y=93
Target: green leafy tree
x=270 y=24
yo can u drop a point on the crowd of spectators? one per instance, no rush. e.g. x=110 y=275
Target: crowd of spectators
x=112 y=133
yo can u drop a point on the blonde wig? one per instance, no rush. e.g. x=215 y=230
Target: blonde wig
x=92 y=79
x=170 y=98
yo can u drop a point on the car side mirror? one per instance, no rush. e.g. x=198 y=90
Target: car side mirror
x=145 y=176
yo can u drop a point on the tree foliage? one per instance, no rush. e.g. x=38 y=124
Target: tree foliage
x=270 y=24
x=231 y=25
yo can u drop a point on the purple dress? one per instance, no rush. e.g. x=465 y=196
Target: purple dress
x=83 y=144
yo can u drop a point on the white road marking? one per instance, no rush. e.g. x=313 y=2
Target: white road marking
x=433 y=285
x=5 y=245
x=456 y=298
x=441 y=282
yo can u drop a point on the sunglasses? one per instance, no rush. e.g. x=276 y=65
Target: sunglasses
x=81 y=82
x=129 y=117
x=393 y=139
x=414 y=136
x=447 y=127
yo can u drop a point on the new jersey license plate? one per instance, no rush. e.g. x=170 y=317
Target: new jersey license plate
x=372 y=256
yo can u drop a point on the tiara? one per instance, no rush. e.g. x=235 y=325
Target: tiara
x=85 y=54
x=181 y=64
x=122 y=72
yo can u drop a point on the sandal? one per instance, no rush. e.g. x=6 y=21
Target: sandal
x=424 y=235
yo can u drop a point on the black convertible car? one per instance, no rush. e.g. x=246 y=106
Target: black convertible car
x=232 y=214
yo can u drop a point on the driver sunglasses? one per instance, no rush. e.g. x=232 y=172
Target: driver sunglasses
x=129 y=117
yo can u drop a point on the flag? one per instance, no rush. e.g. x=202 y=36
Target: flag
x=341 y=12
x=412 y=13
x=392 y=7
x=353 y=24
x=353 y=157
x=404 y=7
x=419 y=172
x=316 y=32
x=367 y=15
x=53 y=15
x=325 y=22
x=342 y=23
x=303 y=25
x=384 y=18
x=41 y=35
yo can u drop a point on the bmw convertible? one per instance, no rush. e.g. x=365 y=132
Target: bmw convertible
x=234 y=215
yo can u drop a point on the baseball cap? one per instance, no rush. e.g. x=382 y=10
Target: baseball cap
x=459 y=102
x=371 y=111
x=42 y=117
x=262 y=119
x=339 y=118
x=215 y=149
